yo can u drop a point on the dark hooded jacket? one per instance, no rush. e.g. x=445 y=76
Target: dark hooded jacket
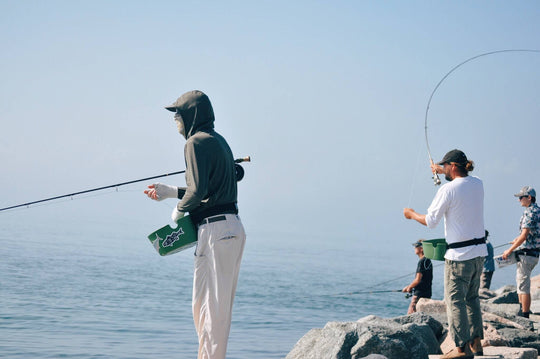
x=210 y=169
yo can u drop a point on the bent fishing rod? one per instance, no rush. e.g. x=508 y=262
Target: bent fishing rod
x=236 y=161
x=436 y=179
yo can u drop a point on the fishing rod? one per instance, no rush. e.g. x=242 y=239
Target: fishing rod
x=368 y=292
x=239 y=171
x=436 y=179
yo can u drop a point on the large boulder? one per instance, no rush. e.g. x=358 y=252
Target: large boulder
x=520 y=338
x=505 y=295
x=420 y=318
x=369 y=335
x=435 y=308
x=504 y=310
x=510 y=353
x=484 y=293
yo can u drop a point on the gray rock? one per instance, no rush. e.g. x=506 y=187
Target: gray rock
x=511 y=353
x=508 y=297
x=370 y=335
x=520 y=338
x=435 y=308
x=527 y=324
x=421 y=319
x=486 y=293
x=504 y=310
x=375 y=356
x=330 y=342
x=401 y=343
x=507 y=312
x=506 y=289
x=427 y=337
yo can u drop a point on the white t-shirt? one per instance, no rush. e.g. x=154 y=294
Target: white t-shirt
x=461 y=203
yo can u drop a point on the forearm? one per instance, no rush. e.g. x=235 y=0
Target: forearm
x=410 y=213
x=420 y=218
x=518 y=241
x=190 y=200
x=414 y=283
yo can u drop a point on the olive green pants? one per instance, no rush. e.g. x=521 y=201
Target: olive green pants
x=461 y=284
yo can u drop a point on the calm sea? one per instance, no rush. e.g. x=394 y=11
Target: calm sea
x=88 y=291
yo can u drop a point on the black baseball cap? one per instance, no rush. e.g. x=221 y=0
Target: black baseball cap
x=454 y=156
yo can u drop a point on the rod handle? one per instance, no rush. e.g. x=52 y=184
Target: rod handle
x=243 y=159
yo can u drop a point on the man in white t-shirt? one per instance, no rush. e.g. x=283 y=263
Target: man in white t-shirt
x=461 y=203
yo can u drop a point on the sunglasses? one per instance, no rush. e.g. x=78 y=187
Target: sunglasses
x=521 y=197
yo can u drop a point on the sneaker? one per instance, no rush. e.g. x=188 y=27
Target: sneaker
x=454 y=353
x=476 y=347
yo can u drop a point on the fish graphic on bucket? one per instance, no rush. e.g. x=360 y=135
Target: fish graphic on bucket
x=168 y=240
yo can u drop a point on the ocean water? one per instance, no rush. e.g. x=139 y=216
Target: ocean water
x=87 y=291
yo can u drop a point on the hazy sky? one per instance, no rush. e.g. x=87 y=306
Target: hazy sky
x=328 y=98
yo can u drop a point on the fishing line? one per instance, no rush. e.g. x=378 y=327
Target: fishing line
x=436 y=179
x=367 y=290
x=413 y=183
x=239 y=172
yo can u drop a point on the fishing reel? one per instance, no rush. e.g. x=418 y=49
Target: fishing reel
x=239 y=172
x=436 y=180
x=239 y=169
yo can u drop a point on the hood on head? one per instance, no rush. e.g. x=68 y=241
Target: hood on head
x=196 y=111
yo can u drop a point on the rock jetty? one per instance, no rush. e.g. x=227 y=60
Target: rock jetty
x=424 y=335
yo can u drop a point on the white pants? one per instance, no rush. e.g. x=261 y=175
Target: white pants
x=217 y=264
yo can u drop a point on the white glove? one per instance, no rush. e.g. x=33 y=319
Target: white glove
x=176 y=214
x=160 y=191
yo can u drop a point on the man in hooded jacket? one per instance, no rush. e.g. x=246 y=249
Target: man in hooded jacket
x=210 y=198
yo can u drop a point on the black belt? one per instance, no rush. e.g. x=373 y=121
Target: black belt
x=212 y=220
x=198 y=215
x=529 y=252
x=470 y=242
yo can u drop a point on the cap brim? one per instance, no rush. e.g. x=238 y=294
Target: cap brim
x=171 y=108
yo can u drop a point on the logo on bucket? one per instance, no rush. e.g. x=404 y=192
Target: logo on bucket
x=171 y=238
x=167 y=240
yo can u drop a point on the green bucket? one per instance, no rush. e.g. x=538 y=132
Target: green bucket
x=434 y=248
x=168 y=240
